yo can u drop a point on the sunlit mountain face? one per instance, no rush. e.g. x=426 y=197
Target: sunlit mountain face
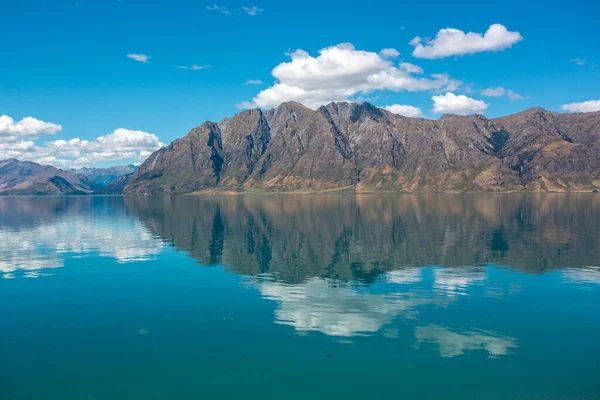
x=252 y=289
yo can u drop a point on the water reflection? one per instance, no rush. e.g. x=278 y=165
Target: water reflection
x=342 y=266
x=347 y=266
x=585 y=274
x=50 y=230
x=453 y=344
x=358 y=238
x=339 y=309
x=342 y=309
x=455 y=281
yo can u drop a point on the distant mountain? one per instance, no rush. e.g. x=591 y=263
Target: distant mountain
x=105 y=176
x=115 y=186
x=363 y=148
x=29 y=178
x=26 y=178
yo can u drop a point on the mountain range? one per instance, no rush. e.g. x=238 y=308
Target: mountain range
x=363 y=148
x=349 y=147
x=26 y=178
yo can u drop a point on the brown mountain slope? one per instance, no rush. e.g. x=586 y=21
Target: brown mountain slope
x=29 y=178
x=552 y=151
x=363 y=147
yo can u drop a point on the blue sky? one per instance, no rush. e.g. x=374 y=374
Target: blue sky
x=65 y=62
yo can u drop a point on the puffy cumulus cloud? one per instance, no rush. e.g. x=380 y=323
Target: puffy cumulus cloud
x=74 y=153
x=28 y=127
x=585 y=106
x=389 y=53
x=252 y=11
x=454 y=42
x=338 y=73
x=342 y=65
x=450 y=103
x=407 y=111
x=452 y=344
x=139 y=57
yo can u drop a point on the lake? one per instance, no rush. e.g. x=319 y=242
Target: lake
x=441 y=296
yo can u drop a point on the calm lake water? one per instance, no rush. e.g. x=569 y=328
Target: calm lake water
x=300 y=297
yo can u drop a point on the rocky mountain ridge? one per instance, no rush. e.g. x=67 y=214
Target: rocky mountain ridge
x=363 y=148
x=27 y=178
x=103 y=177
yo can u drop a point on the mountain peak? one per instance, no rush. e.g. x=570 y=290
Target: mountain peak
x=292 y=104
x=534 y=110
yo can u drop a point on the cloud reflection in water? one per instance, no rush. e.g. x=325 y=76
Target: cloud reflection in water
x=41 y=247
x=453 y=344
x=338 y=309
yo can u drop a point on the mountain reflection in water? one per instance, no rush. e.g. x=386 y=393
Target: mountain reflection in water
x=344 y=266
x=357 y=238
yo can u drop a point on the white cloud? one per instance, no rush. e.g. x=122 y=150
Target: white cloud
x=500 y=91
x=493 y=92
x=139 y=57
x=338 y=73
x=196 y=67
x=219 y=9
x=412 y=68
x=74 y=153
x=28 y=127
x=514 y=96
x=193 y=67
x=454 y=42
x=253 y=82
x=586 y=106
x=389 y=53
x=253 y=11
x=407 y=111
x=579 y=61
x=450 y=103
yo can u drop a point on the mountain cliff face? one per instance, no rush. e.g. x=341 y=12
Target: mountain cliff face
x=363 y=148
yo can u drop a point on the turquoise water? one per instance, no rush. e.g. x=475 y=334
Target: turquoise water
x=300 y=297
